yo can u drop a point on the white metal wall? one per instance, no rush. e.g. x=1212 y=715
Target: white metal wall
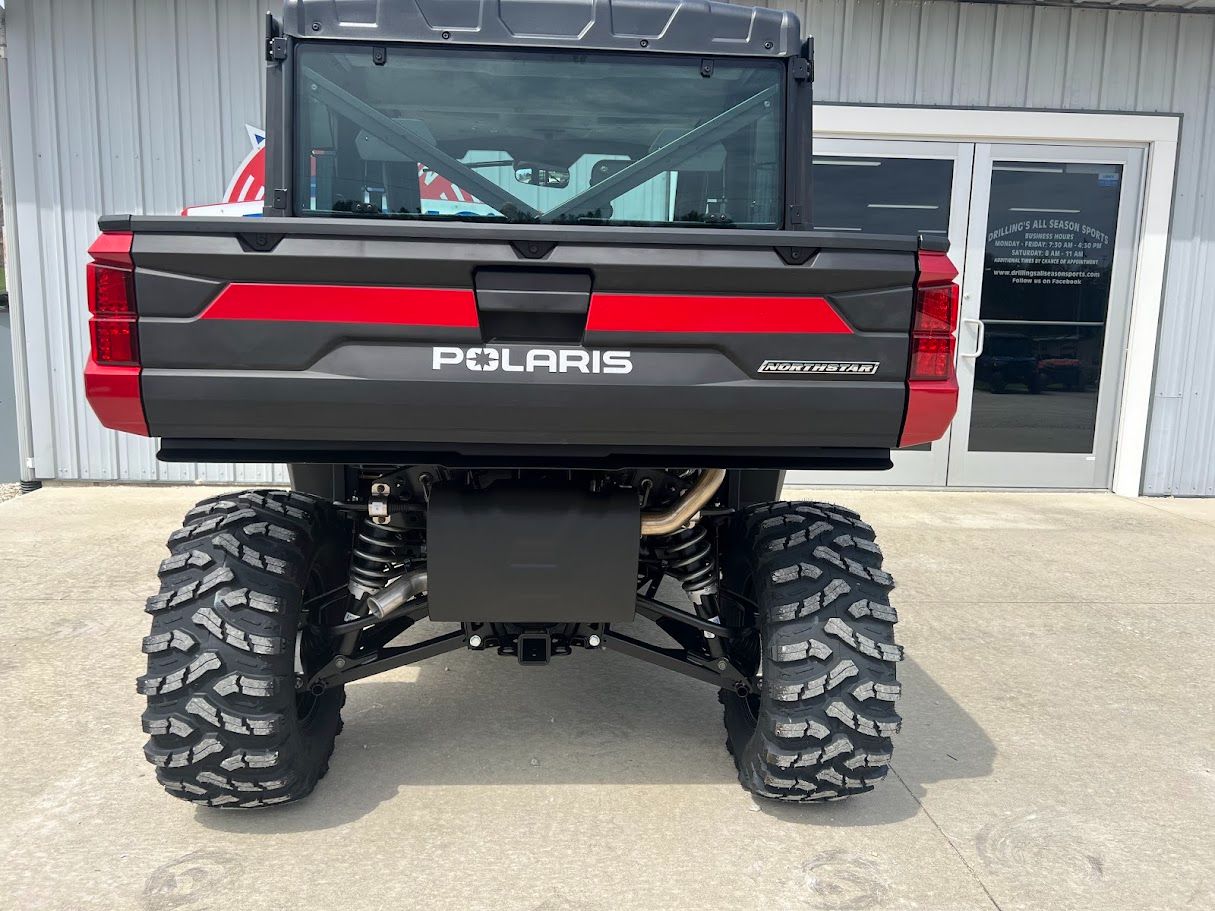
x=140 y=106
x=116 y=106
x=983 y=55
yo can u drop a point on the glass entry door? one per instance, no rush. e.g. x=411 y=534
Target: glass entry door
x=892 y=187
x=1045 y=307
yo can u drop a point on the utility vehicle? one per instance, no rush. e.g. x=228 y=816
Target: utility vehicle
x=517 y=405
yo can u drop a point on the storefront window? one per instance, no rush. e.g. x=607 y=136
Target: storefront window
x=882 y=195
x=1046 y=288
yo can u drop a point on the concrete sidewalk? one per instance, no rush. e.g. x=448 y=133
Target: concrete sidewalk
x=1058 y=750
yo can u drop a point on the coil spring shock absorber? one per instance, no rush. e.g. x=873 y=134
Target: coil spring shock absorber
x=376 y=557
x=689 y=557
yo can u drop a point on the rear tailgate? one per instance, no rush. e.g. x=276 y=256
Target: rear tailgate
x=344 y=337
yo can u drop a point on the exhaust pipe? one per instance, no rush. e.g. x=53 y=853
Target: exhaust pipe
x=673 y=519
x=393 y=595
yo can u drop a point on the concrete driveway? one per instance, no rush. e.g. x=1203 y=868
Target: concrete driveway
x=1058 y=750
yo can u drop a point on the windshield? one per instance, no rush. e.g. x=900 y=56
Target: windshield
x=526 y=136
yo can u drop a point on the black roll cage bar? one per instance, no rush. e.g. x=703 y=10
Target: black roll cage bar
x=678 y=149
x=410 y=144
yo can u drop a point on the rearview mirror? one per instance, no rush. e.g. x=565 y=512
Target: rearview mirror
x=538 y=175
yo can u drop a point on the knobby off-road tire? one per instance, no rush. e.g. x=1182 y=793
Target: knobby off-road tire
x=821 y=726
x=249 y=575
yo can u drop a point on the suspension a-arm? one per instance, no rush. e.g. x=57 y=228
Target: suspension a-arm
x=373 y=655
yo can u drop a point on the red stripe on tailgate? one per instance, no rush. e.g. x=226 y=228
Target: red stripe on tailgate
x=689 y=313
x=453 y=307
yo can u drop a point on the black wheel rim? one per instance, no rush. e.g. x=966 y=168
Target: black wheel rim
x=745 y=652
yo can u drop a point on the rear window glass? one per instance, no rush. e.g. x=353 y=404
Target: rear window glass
x=530 y=136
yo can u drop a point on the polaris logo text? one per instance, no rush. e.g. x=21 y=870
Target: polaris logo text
x=864 y=368
x=533 y=360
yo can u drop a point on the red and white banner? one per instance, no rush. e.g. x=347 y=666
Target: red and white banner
x=246 y=191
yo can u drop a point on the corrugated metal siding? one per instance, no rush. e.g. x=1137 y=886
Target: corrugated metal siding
x=946 y=53
x=140 y=106
x=116 y=106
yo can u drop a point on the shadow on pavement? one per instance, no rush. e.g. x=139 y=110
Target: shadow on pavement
x=479 y=720
x=939 y=742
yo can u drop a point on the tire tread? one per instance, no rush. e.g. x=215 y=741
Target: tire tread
x=826 y=713
x=220 y=684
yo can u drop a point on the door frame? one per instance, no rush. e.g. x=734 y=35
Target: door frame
x=911 y=468
x=971 y=468
x=1156 y=134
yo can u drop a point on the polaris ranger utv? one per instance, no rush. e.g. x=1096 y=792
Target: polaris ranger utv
x=520 y=403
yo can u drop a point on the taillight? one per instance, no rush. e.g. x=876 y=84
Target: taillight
x=111 y=290
x=932 y=388
x=937 y=309
x=113 y=326
x=936 y=319
x=111 y=378
x=931 y=357
x=114 y=342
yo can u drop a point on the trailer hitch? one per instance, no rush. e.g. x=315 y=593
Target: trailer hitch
x=531 y=646
x=719 y=672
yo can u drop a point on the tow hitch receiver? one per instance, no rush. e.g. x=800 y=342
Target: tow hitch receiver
x=534 y=648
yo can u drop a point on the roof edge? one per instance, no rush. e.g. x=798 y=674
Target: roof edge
x=658 y=26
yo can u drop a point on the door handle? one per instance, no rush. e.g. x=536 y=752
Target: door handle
x=980 y=336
